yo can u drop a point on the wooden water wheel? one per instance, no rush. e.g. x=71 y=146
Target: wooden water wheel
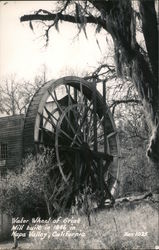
x=72 y=117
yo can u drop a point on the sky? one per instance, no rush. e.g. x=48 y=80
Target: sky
x=23 y=52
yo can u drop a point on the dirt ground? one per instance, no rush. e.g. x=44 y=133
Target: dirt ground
x=22 y=244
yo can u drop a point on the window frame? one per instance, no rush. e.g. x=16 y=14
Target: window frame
x=3 y=154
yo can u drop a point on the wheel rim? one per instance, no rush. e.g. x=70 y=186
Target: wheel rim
x=72 y=94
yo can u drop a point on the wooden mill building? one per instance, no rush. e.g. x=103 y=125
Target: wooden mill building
x=11 y=150
x=11 y=129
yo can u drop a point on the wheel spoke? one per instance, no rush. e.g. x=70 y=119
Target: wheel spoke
x=55 y=99
x=82 y=121
x=48 y=119
x=70 y=102
x=69 y=95
x=60 y=129
x=98 y=137
x=50 y=114
x=81 y=92
x=90 y=121
x=69 y=99
x=68 y=136
x=100 y=123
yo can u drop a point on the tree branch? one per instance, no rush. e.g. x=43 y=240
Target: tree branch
x=67 y=18
x=111 y=68
x=117 y=102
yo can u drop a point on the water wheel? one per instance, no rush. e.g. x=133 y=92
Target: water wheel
x=72 y=117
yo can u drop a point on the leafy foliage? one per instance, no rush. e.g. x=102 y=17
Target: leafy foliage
x=37 y=188
x=22 y=190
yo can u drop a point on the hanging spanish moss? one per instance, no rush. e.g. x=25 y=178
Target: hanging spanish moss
x=132 y=62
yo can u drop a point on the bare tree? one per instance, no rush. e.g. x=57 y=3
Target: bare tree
x=11 y=99
x=15 y=95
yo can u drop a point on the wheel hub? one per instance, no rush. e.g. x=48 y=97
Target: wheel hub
x=85 y=152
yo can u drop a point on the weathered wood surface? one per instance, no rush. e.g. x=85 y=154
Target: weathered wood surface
x=11 y=131
x=149 y=196
x=131 y=201
x=5 y=226
x=29 y=125
x=134 y=197
x=38 y=103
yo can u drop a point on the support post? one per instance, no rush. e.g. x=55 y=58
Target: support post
x=95 y=115
x=104 y=114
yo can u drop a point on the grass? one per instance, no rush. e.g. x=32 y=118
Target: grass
x=108 y=229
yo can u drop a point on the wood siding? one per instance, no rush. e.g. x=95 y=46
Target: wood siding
x=11 y=130
x=5 y=226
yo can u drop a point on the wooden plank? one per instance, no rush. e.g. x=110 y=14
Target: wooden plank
x=11 y=133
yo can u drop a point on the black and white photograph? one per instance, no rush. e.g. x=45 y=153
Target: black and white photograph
x=79 y=125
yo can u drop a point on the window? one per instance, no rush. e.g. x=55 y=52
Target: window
x=3 y=151
x=3 y=154
x=3 y=159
